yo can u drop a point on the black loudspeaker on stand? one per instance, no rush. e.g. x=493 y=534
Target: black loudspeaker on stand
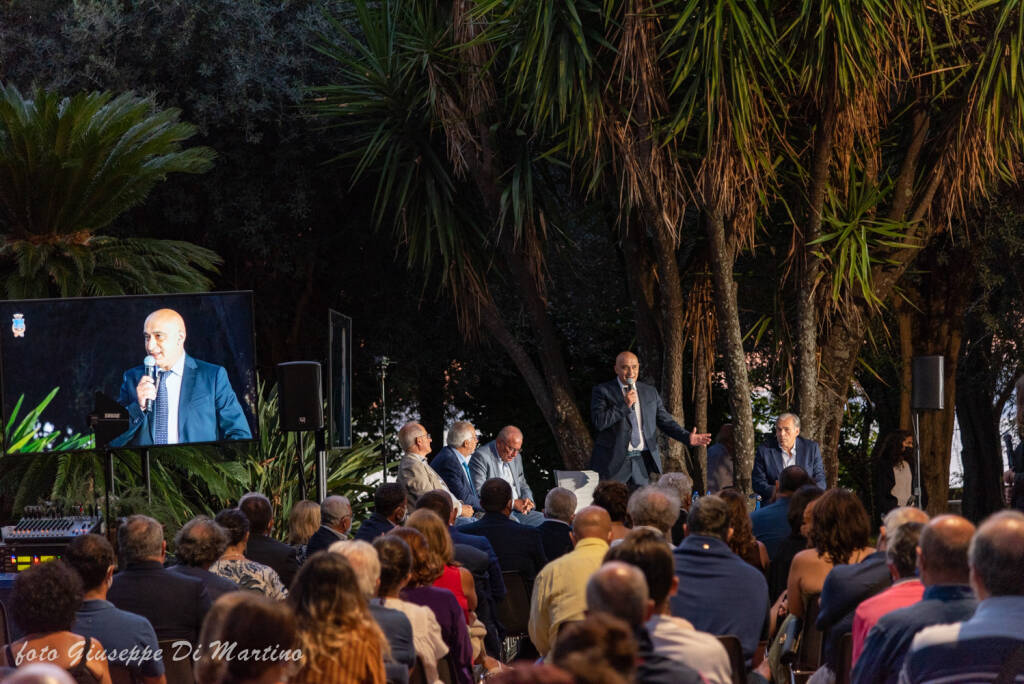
x=301 y=409
x=927 y=394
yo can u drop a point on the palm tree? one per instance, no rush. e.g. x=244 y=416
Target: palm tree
x=69 y=166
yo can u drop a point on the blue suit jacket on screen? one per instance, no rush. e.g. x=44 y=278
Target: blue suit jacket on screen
x=448 y=464
x=208 y=409
x=768 y=465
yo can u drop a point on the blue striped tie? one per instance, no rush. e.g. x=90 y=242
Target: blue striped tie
x=160 y=410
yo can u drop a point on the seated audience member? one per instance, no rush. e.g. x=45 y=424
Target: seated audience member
x=671 y=637
x=619 y=590
x=771 y=523
x=906 y=589
x=652 y=506
x=519 y=547
x=128 y=638
x=419 y=590
x=529 y=673
x=174 y=604
x=335 y=522
x=559 y=594
x=261 y=547
x=209 y=665
x=942 y=562
x=720 y=460
x=848 y=585
x=415 y=474
x=233 y=565
x=613 y=496
x=718 y=592
x=395 y=567
x=452 y=577
x=340 y=641
x=395 y=625
x=682 y=485
x=452 y=463
x=598 y=650
x=389 y=510
x=559 y=509
x=742 y=541
x=43 y=605
x=254 y=624
x=978 y=648
x=303 y=521
x=778 y=568
x=36 y=673
x=197 y=546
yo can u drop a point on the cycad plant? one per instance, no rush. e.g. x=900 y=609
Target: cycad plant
x=68 y=167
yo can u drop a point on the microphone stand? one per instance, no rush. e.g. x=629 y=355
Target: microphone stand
x=382 y=369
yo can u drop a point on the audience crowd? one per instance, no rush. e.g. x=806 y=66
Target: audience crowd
x=454 y=576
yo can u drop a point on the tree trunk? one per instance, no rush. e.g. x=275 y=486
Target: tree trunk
x=700 y=417
x=642 y=286
x=673 y=342
x=731 y=340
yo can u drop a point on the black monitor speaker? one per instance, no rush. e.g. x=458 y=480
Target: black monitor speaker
x=927 y=391
x=300 y=399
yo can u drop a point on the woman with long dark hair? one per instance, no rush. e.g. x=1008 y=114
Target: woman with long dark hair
x=893 y=471
x=742 y=542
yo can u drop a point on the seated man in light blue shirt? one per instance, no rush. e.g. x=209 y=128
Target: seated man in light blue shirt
x=502 y=458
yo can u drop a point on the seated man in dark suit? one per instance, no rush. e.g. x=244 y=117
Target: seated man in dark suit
x=175 y=605
x=519 y=547
x=263 y=548
x=395 y=625
x=788 y=448
x=128 y=639
x=771 y=522
x=389 y=509
x=196 y=546
x=559 y=510
x=335 y=522
x=452 y=463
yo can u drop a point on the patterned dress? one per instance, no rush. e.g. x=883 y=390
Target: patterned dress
x=249 y=574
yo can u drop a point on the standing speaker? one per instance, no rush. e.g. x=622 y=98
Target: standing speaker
x=300 y=401
x=926 y=394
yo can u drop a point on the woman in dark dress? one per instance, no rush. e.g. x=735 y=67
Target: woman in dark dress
x=893 y=475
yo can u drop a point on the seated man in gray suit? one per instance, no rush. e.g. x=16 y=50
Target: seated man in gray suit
x=788 y=448
x=415 y=474
x=501 y=458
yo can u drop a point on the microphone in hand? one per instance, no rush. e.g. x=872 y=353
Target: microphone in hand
x=149 y=363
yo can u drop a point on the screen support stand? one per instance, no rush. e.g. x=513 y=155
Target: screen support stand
x=146 y=476
x=302 y=465
x=382 y=368
x=108 y=490
x=321 y=466
x=917 y=460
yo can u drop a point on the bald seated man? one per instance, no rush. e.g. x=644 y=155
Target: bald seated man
x=191 y=400
x=559 y=592
x=627 y=415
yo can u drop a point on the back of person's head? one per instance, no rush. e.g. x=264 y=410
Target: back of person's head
x=395 y=562
x=91 y=556
x=388 y=497
x=901 y=552
x=258 y=510
x=438 y=501
x=996 y=555
x=46 y=598
x=39 y=673
x=303 y=521
x=200 y=542
x=901 y=516
x=612 y=496
x=655 y=507
x=425 y=568
x=680 y=483
x=647 y=550
x=364 y=561
x=254 y=624
x=592 y=522
x=598 y=650
x=839 y=525
x=326 y=592
x=435 y=532
x=944 y=542
x=334 y=509
x=560 y=504
x=530 y=673
x=618 y=589
x=742 y=541
x=709 y=517
x=793 y=478
x=797 y=503
x=235 y=524
x=140 y=538
x=495 y=495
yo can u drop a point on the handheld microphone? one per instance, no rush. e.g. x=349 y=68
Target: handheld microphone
x=632 y=385
x=150 y=365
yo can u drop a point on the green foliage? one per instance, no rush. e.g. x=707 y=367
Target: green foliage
x=28 y=435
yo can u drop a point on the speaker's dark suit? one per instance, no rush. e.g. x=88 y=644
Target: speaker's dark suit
x=208 y=409
x=448 y=464
x=174 y=604
x=610 y=415
x=768 y=465
x=519 y=547
x=278 y=555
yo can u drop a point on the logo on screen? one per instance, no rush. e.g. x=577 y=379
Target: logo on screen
x=18 y=325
